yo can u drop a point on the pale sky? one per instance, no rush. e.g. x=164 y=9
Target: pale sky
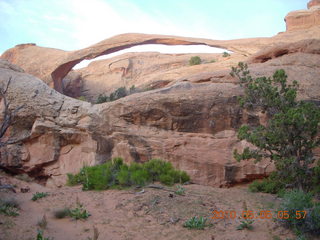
x=75 y=24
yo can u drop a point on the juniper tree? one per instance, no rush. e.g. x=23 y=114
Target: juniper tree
x=291 y=134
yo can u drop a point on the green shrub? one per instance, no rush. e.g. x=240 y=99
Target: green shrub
x=166 y=179
x=9 y=207
x=293 y=205
x=79 y=213
x=123 y=176
x=184 y=177
x=247 y=223
x=39 y=195
x=139 y=177
x=266 y=185
x=195 y=60
x=195 y=223
x=225 y=54
x=180 y=190
x=116 y=174
x=102 y=98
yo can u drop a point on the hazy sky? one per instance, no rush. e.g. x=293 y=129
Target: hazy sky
x=75 y=24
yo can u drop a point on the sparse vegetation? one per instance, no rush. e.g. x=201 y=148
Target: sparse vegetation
x=9 y=207
x=180 y=190
x=82 y=98
x=300 y=213
x=195 y=60
x=267 y=185
x=116 y=174
x=79 y=212
x=39 y=195
x=41 y=237
x=195 y=223
x=247 y=222
x=225 y=54
x=118 y=93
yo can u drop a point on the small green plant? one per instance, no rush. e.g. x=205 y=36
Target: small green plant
x=180 y=190
x=195 y=223
x=225 y=54
x=41 y=237
x=39 y=195
x=61 y=213
x=195 y=60
x=213 y=61
x=82 y=98
x=9 y=207
x=246 y=222
x=79 y=212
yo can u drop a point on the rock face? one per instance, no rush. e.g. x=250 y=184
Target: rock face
x=53 y=65
x=143 y=70
x=304 y=19
x=191 y=118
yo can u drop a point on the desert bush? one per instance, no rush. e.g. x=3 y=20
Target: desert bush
x=123 y=176
x=225 y=54
x=180 y=190
x=268 y=185
x=300 y=212
x=39 y=195
x=247 y=223
x=9 y=207
x=195 y=223
x=166 y=179
x=116 y=174
x=102 y=98
x=195 y=60
x=79 y=212
x=139 y=177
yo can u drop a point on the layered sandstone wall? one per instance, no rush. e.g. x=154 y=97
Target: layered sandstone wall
x=191 y=119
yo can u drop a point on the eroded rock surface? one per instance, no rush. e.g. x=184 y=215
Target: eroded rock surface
x=191 y=118
x=304 y=19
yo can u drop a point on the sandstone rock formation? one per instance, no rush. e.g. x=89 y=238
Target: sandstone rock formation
x=191 y=118
x=303 y=19
x=60 y=134
x=55 y=64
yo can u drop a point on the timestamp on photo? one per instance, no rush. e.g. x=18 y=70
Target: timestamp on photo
x=261 y=214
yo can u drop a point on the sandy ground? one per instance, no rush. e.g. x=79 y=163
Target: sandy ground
x=129 y=215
